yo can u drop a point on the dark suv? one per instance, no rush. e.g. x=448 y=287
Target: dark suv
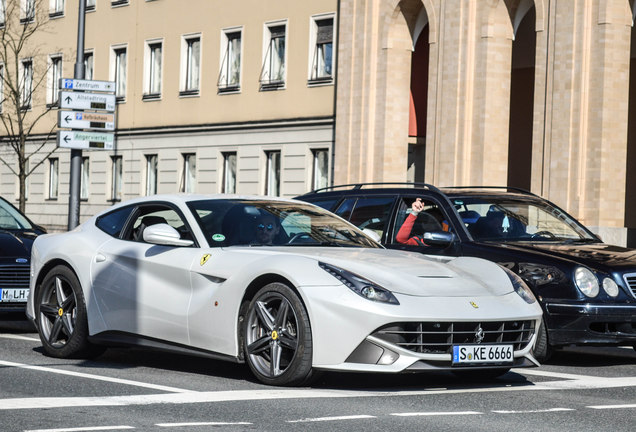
x=587 y=288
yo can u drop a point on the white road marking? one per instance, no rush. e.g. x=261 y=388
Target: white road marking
x=450 y=413
x=533 y=411
x=18 y=337
x=92 y=376
x=612 y=406
x=336 y=418
x=82 y=429
x=204 y=424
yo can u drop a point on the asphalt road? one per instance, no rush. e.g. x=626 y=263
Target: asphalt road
x=582 y=389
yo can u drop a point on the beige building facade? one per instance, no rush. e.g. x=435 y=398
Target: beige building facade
x=211 y=98
x=527 y=93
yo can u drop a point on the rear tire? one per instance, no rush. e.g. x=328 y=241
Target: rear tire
x=277 y=339
x=60 y=312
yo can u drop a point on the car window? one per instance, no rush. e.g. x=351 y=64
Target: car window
x=156 y=214
x=371 y=215
x=430 y=219
x=11 y=218
x=327 y=204
x=112 y=223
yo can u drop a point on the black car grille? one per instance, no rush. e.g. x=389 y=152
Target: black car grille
x=630 y=280
x=14 y=277
x=439 y=337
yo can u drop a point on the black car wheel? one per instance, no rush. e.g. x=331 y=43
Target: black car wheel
x=277 y=337
x=542 y=351
x=61 y=316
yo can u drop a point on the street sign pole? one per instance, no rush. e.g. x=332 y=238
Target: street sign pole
x=76 y=154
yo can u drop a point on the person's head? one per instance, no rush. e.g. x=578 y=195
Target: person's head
x=266 y=229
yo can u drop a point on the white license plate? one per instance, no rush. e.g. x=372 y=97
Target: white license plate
x=14 y=295
x=482 y=354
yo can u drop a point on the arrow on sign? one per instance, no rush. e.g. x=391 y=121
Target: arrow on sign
x=68 y=99
x=67 y=119
x=66 y=138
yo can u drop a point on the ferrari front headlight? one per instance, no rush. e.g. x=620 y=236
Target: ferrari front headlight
x=586 y=282
x=520 y=286
x=359 y=285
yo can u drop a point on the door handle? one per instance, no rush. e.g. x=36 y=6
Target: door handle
x=100 y=258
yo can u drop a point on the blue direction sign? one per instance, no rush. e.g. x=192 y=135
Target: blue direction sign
x=85 y=140
x=87 y=101
x=86 y=120
x=87 y=85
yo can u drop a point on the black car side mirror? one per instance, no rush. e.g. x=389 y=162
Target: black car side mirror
x=439 y=238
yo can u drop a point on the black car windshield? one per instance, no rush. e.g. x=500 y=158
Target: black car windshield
x=238 y=222
x=11 y=218
x=517 y=219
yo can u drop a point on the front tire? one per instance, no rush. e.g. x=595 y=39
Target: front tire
x=61 y=316
x=277 y=339
x=542 y=351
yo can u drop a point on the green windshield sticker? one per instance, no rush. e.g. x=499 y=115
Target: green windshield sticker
x=459 y=202
x=218 y=237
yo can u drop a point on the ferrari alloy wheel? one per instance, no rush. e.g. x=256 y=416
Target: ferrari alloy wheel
x=61 y=316
x=277 y=338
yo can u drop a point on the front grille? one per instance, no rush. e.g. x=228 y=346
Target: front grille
x=439 y=337
x=630 y=280
x=15 y=276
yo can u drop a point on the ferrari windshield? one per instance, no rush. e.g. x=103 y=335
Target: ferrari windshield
x=239 y=222
x=512 y=219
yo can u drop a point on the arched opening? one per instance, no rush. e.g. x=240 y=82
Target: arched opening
x=418 y=101
x=630 y=179
x=522 y=102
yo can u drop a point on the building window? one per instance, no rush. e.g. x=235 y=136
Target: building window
x=229 y=173
x=26 y=84
x=191 y=65
x=151 y=174
x=88 y=65
x=189 y=177
x=118 y=70
x=115 y=3
x=56 y=8
x=322 y=62
x=272 y=173
x=90 y=5
x=115 y=192
x=54 y=75
x=54 y=171
x=230 y=74
x=320 y=169
x=3 y=12
x=153 y=70
x=84 y=179
x=273 y=71
x=27 y=12
x=1 y=85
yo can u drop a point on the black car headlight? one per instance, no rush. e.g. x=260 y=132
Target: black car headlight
x=359 y=285
x=610 y=287
x=520 y=286
x=586 y=282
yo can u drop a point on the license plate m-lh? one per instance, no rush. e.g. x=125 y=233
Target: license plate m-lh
x=466 y=355
x=13 y=295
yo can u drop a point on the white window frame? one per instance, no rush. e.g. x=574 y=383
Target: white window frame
x=189 y=173
x=119 y=3
x=273 y=171
x=91 y=5
x=316 y=162
x=56 y=8
x=152 y=89
x=228 y=181
x=27 y=11
x=3 y=12
x=89 y=67
x=116 y=179
x=26 y=84
x=225 y=84
x=116 y=69
x=190 y=83
x=1 y=85
x=266 y=80
x=152 y=173
x=312 y=77
x=54 y=178
x=54 y=73
x=85 y=178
